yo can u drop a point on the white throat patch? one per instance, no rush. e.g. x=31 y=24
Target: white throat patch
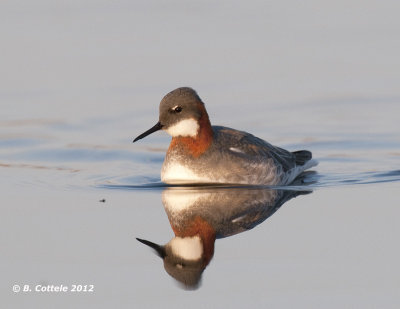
x=188 y=248
x=187 y=127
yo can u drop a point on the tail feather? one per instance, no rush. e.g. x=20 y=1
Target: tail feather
x=302 y=156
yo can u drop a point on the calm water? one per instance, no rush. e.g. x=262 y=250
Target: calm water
x=80 y=81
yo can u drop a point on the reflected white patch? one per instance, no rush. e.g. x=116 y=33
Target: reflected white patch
x=187 y=127
x=238 y=219
x=177 y=200
x=188 y=248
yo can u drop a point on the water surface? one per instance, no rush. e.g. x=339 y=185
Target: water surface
x=80 y=81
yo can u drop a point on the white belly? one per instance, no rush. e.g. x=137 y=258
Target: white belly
x=176 y=173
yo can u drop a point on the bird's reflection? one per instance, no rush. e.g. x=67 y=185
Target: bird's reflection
x=200 y=215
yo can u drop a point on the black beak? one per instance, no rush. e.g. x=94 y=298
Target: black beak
x=157 y=127
x=159 y=249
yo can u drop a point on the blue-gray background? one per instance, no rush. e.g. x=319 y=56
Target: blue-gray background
x=80 y=79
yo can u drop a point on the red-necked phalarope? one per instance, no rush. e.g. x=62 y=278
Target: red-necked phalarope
x=201 y=153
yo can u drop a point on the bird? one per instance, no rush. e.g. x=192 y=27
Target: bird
x=200 y=153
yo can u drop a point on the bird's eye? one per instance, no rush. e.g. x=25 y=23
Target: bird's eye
x=177 y=109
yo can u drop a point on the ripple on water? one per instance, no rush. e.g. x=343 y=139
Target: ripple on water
x=343 y=161
x=339 y=179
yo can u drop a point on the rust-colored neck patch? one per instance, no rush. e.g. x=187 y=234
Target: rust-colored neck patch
x=198 y=144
